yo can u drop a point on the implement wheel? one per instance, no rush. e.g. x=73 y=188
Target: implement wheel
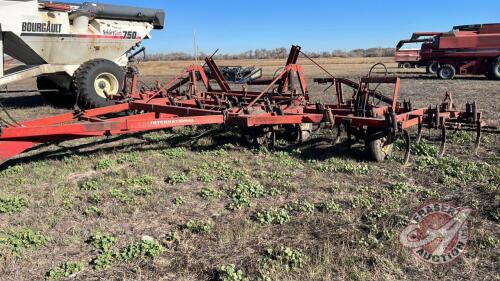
x=378 y=147
x=98 y=82
x=54 y=94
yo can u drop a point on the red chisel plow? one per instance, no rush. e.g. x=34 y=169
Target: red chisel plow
x=282 y=108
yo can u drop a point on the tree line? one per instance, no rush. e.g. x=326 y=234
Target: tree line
x=277 y=53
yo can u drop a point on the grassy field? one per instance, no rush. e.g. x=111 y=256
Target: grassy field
x=182 y=205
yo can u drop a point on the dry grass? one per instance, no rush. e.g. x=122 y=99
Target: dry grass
x=269 y=66
x=153 y=184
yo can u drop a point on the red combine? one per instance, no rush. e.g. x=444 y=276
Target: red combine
x=468 y=49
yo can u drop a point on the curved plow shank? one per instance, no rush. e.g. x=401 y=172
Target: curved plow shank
x=442 y=148
x=407 y=139
x=477 y=143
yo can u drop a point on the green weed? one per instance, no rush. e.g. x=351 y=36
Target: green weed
x=198 y=226
x=140 y=181
x=104 y=164
x=362 y=202
x=172 y=236
x=273 y=216
x=424 y=149
x=211 y=193
x=179 y=201
x=120 y=195
x=95 y=198
x=284 y=258
x=243 y=194
x=334 y=165
x=66 y=270
x=12 y=171
x=175 y=153
x=301 y=207
x=103 y=241
x=177 y=179
x=330 y=207
x=206 y=177
x=92 y=211
x=90 y=185
x=104 y=260
x=231 y=273
x=461 y=137
x=284 y=159
x=23 y=239
x=147 y=248
x=128 y=158
x=68 y=204
x=12 y=205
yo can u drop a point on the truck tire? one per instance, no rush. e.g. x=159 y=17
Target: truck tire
x=432 y=68
x=495 y=70
x=406 y=65
x=55 y=95
x=447 y=72
x=95 y=81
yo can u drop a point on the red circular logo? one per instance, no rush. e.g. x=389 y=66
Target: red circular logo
x=438 y=233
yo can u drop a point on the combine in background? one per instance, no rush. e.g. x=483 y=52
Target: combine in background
x=77 y=52
x=468 y=49
x=408 y=51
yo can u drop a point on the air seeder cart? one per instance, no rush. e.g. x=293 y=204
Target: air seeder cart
x=77 y=52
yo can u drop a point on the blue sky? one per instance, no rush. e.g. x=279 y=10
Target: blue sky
x=240 y=25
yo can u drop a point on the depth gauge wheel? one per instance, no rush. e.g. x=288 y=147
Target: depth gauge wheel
x=378 y=147
x=97 y=82
x=54 y=94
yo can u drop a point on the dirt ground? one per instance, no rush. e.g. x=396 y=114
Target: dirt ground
x=203 y=202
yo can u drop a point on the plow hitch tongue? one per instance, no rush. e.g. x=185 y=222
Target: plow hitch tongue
x=282 y=110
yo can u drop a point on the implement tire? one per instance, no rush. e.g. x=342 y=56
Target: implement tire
x=95 y=81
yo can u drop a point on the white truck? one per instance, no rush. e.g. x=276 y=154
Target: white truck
x=77 y=52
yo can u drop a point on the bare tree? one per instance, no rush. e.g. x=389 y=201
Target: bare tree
x=277 y=53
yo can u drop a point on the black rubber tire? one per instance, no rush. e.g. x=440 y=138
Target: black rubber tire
x=376 y=148
x=494 y=72
x=59 y=97
x=406 y=65
x=432 y=68
x=85 y=78
x=447 y=72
